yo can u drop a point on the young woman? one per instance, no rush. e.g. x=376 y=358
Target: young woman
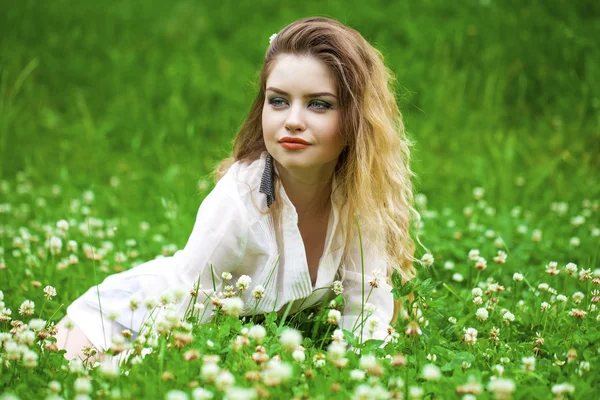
x=321 y=154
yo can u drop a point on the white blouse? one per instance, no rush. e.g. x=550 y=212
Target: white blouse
x=234 y=233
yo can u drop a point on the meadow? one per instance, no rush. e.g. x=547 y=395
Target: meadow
x=113 y=115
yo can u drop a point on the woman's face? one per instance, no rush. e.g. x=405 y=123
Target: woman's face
x=301 y=102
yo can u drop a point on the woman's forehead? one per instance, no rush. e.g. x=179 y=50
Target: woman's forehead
x=301 y=75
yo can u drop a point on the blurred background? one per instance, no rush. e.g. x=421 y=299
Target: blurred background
x=138 y=101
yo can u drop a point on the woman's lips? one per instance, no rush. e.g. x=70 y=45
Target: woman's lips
x=293 y=145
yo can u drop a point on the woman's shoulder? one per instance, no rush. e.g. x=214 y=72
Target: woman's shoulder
x=245 y=177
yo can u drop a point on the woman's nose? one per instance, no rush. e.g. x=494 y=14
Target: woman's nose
x=295 y=118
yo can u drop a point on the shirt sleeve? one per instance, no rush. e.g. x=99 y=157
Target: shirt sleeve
x=380 y=297
x=218 y=238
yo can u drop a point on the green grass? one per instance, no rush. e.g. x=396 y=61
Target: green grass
x=501 y=95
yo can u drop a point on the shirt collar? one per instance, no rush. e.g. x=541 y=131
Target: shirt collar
x=268 y=188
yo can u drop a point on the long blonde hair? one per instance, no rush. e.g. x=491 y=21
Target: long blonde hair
x=373 y=170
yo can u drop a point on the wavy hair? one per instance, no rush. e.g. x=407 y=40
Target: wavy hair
x=373 y=170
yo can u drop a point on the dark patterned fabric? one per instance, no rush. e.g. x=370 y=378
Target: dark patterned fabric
x=266 y=183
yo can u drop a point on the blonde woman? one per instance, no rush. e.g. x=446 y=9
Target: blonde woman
x=321 y=154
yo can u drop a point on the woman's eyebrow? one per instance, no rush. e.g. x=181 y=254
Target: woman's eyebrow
x=318 y=94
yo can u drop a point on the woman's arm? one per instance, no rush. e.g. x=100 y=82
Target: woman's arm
x=218 y=238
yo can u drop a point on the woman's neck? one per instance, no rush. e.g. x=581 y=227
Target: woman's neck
x=310 y=193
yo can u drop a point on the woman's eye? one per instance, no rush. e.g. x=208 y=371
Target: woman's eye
x=320 y=105
x=277 y=102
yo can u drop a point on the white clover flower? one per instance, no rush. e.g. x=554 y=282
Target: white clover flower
x=233 y=306
x=27 y=308
x=478 y=300
x=368 y=362
x=237 y=393
x=209 y=372
x=54 y=386
x=517 y=277
x=49 y=292
x=75 y=366
x=477 y=292
x=112 y=314
x=470 y=336
x=370 y=308
x=37 y=324
x=528 y=364
x=457 y=277
x=502 y=388
x=481 y=264
x=431 y=357
x=150 y=303
x=544 y=306
x=226 y=276
x=575 y=241
x=176 y=395
x=257 y=332
x=449 y=265
x=357 y=375
x=276 y=372
x=501 y=257
x=178 y=294
x=243 y=282
x=577 y=297
x=544 y=286
x=427 y=260
x=201 y=394
x=63 y=225
x=563 y=388
x=25 y=337
x=134 y=302
x=571 y=268
x=338 y=336
x=473 y=255
x=272 y=37
x=372 y=324
x=82 y=385
x=415 y=392
x=258 y=292
x=333 y=317
x=224 y=380
x=498 y=369
x=508 y=317
x=30 y=358
x=336 y=350
x=482 y=314
x=478 y=193
x=452 y=320
x=585 y=274
x=337 y=287
x=499 y=243
x=431 y=372
x=298 y=356
x=290 y=339
x=120 y=257
x=562 y=298
x=5 y=314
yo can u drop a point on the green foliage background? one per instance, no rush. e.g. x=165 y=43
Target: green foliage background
x=503 y=95
x=154 y=93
